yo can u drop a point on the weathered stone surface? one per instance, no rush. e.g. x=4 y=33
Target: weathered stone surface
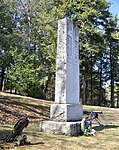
x=64 y=128
x=67 y=63
x=67 y=112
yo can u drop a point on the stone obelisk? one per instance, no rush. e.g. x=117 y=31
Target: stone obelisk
x=66 y=113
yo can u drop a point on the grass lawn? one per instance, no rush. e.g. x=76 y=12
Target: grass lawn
x=12 y=107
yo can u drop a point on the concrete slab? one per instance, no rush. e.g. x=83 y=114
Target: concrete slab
x=61 y=128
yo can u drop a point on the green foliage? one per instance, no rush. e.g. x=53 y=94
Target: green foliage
x=28 y=43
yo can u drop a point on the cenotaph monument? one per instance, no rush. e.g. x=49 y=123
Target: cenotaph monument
x=66 y=113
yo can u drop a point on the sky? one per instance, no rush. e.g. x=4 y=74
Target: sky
x=114 y=7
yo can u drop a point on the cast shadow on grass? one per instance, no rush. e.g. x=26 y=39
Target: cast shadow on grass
x=33 y=108
x=4 y=133
x=37 y=143
x=30 y=143
x=100 y=128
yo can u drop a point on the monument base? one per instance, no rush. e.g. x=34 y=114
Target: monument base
x=63 y=128
x=66 y=112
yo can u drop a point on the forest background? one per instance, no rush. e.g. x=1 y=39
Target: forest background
x=28 y=44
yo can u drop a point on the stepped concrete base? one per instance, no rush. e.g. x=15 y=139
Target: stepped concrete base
x=64 y=128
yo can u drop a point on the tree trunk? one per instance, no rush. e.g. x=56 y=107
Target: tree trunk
x=117 y=95
x=85 y=88
x=91 y=81
x=112 y=78
x=2 y=79
x=84 y=92
x=100 y=92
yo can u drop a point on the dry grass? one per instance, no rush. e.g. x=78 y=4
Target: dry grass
x=106 y=139
x=12 y=107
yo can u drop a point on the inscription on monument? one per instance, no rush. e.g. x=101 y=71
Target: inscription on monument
x=76 y=51
x=76 y=31
x=69 y=46
x=69 y=26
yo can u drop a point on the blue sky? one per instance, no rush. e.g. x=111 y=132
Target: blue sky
x=114 y=7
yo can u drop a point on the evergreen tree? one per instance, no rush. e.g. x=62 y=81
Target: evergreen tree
x=113 y=45
x=6 y=30
x=29 y=43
